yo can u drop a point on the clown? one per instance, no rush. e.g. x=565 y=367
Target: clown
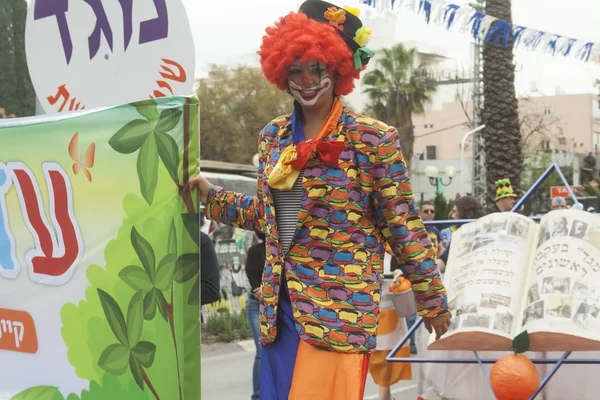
x=333 y=189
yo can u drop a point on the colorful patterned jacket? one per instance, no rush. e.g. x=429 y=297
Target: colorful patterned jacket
x=334 y=264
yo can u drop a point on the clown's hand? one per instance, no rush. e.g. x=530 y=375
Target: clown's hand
x=438 y=324
x=202 y=185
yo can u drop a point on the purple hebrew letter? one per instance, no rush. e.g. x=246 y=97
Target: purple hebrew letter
x=57 y=8
x=102 y=27
x=157 y=28
x=127 y=8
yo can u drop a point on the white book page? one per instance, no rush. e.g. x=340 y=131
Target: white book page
x=563 y=290
x=486 y=272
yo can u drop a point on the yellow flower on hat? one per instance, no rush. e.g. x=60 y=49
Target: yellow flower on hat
x=352 y=10
x=362 y=36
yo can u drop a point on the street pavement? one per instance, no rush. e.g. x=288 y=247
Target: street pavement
x=227 y=374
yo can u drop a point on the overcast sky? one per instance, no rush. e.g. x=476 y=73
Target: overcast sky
x=230 y=32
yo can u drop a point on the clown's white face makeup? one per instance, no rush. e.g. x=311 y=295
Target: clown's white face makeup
x=310 y=82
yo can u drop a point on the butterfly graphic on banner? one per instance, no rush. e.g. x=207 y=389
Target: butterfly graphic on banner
x=82 y=161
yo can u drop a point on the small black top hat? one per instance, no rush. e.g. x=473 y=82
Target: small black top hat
x=347 y=24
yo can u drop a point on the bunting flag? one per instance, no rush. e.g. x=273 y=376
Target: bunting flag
x=488 y=28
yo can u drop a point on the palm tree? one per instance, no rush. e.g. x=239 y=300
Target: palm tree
x=396 y=89
x=502 y=136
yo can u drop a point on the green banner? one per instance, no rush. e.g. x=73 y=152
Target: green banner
x=99 y=264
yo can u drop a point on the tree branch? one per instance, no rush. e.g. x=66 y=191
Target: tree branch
x=536 y=124
x=460 y=94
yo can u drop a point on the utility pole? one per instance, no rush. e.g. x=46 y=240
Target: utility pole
x=478 y=175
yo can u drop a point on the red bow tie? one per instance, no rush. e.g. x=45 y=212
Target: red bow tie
x=328 y=153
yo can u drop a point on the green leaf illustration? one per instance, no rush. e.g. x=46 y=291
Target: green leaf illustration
x=148 y=110
x=114 y=359
x=187 y=266
x=136 y=371
x=145 y=352
x=164 y=272
x=169 y=119
x=147 y=168
x=172 y=243
x=40 y=393
x=114 y=316
x=191 y=221
x=169 y=153
x=520 y=343
x=73 y=396
x=144 y=251
x=194 y=296
x=135 y=319
x=150 y=305
x=161 y=303
x=130 y=137
x=136 y=278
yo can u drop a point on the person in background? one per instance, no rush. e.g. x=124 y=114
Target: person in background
x=559 y=203
x=410 y=321
x=589 y=165
x=255 y=264
x=209 y=271
x=505 y=196
x=445 y=237
x=467 y=207
x=210 y=279
x=204 y=222
x=427 y=213
x=432 y=377
x=250 y=239
x=392 y=329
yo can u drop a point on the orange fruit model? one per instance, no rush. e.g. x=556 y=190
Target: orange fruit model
x=401 y=284
x=514 y=377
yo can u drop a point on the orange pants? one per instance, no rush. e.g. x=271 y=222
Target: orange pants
x=320 y=374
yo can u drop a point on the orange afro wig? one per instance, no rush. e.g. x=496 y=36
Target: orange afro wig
x=296 y=36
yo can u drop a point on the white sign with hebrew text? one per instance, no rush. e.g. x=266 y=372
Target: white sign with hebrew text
x=84 y=54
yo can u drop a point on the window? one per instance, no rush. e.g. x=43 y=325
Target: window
x=545 y=145
x=562 y=140
x=547 y=110
x=430 y=152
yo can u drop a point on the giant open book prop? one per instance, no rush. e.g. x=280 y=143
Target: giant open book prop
x=507 y=273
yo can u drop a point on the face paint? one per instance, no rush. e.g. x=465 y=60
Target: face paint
x=309 y=96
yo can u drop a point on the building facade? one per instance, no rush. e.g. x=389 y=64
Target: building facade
x=568 y=123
